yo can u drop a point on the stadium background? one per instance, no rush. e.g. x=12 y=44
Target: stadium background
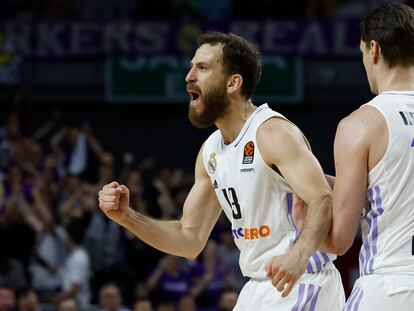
x=94 y=90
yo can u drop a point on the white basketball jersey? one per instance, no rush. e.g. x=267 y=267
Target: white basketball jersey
x=388 y=227
x=256 y=199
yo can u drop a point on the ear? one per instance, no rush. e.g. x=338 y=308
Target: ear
x=234 y=83
x=375 y=52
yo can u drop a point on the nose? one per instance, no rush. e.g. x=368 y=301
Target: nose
x=190 y=77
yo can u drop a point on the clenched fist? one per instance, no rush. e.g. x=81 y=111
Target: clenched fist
x=114 y=201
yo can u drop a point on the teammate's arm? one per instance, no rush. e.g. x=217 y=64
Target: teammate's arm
x=185 y=237
x=283 y=145
x=351 y=152
x=300 y=208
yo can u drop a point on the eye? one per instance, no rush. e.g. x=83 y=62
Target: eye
x=202 y=67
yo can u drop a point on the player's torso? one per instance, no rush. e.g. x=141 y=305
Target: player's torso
x=252 y=195
x=256 y=199
x=388 y=225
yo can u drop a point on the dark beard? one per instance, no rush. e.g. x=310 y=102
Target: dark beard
x=215 y=102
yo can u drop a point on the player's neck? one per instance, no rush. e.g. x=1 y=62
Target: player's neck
x=397 y=79
x=232 y=123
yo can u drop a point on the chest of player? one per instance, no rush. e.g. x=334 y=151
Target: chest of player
x=239 y=177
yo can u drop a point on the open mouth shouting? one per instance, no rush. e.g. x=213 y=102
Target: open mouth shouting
x=195 y=95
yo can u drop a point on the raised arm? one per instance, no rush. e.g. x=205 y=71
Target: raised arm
x=284 y=147
x=185 y=237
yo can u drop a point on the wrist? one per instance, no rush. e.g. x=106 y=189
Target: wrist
x=126 y=217
x=303 y=250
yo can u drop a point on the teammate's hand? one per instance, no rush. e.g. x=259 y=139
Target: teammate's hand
x=114 y=200
x=285 y=270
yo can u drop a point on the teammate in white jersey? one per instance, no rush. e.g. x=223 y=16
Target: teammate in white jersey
x=250 y=167
x=374 y=159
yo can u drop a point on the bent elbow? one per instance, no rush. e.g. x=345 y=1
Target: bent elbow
x=195 y=250
x=337 y=245
x=193 y=254
x=340 y=250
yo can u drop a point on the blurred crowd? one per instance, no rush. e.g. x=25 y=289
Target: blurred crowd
x=60 y=252
x=194 y=10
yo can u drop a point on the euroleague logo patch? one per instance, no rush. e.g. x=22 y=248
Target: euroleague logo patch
x=248 y=153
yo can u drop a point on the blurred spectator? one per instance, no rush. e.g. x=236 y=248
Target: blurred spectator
x=137 y=251
x=169 y=280
x=48 y=261
x=27 y=300
x=165 y=304
x=228 y=300
x=212 y=277
x=39 y=193
x=142 y=304
x=67 y=304
x=69 y=202
x=101 y=241
x=76 y=272
x=11 y=270
x=110 y=298
x=187 y=303
x=19 y=218
x=11 y=140
x=7 y=299
x=76 y=149
x=229 y=254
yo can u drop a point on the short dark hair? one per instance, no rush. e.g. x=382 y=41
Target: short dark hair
x=239 y=57
x=392 y=26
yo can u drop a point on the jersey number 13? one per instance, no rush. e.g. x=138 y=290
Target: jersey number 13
x=234 y=203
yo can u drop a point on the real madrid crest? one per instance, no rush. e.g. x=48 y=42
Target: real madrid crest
x=212 y=163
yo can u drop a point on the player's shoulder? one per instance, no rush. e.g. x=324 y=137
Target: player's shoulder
x=363 y=119
x=210 y=143
x=360 y=127
x=277 y=138
x=277 y=128
x=213 y=137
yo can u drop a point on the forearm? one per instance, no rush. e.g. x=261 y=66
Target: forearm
x=316 y=226
x=167 y=236
x=343 y=230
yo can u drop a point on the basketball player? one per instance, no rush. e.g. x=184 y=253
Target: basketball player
x=249 y=168
x=374 y=159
